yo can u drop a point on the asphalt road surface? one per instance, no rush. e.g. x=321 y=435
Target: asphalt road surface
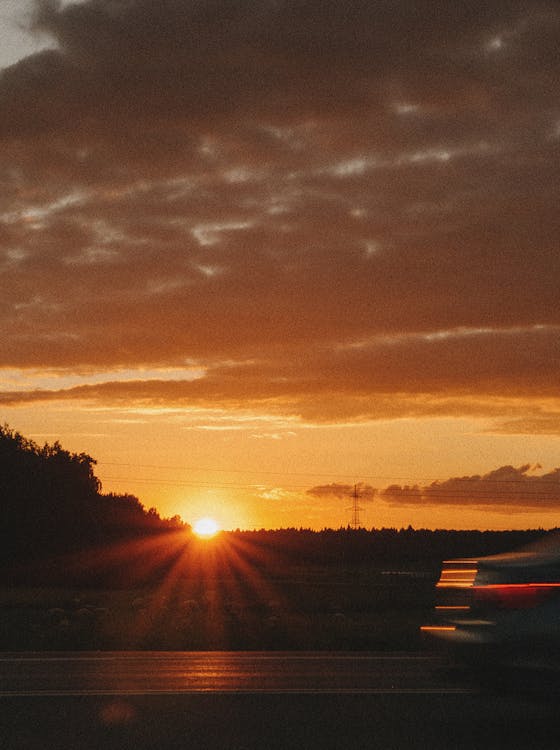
x=236 y=701
x=148 y=673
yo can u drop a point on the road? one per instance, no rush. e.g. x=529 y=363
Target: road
x=237 y=701
x=148 y=673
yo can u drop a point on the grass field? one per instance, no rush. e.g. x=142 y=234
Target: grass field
x=361 y=607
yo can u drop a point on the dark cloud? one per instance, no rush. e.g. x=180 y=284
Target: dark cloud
x=387 y=379
x=504 y=488
x=343 y=491
x=213 y=59
x=337 y=210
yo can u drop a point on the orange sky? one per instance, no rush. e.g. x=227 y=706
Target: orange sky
x=252 y=254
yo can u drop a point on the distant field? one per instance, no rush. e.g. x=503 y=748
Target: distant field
x=284 y=589
x=311 y=607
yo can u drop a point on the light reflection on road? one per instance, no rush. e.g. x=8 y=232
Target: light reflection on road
x=178 y=672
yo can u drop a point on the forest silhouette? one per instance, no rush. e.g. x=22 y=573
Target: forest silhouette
x=51 y=506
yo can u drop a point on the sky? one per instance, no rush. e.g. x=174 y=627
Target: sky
x=254 y=255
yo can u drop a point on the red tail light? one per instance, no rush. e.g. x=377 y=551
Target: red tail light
x=514 y=595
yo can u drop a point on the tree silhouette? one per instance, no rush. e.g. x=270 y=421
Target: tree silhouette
x=51 y=503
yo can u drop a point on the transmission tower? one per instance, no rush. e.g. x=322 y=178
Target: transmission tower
x=355 y=523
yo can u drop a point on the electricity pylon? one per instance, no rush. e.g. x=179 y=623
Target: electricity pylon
x=355 y=523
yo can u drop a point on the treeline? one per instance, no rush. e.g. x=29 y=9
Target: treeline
x=386 y=545
x=51 y=504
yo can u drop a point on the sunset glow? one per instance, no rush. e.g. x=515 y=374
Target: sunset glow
x=248 y=268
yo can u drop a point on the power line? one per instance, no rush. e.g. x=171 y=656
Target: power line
x=423 y=495
x=241 y=471
x=410 y=483
x=531 y=490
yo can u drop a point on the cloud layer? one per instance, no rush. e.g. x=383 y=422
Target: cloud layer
x=335 y=211
x=361 y=491
x=507 y=487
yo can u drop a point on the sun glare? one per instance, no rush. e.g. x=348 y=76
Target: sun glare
x=206 y=528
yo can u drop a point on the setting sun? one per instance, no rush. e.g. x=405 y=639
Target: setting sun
x=206 y=527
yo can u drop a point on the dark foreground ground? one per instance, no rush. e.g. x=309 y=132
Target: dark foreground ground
x=279 y=590
x=237 y=701
x=335 y=607
x=307 y=722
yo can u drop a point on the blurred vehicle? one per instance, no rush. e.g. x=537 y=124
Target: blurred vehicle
x=501 y=610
